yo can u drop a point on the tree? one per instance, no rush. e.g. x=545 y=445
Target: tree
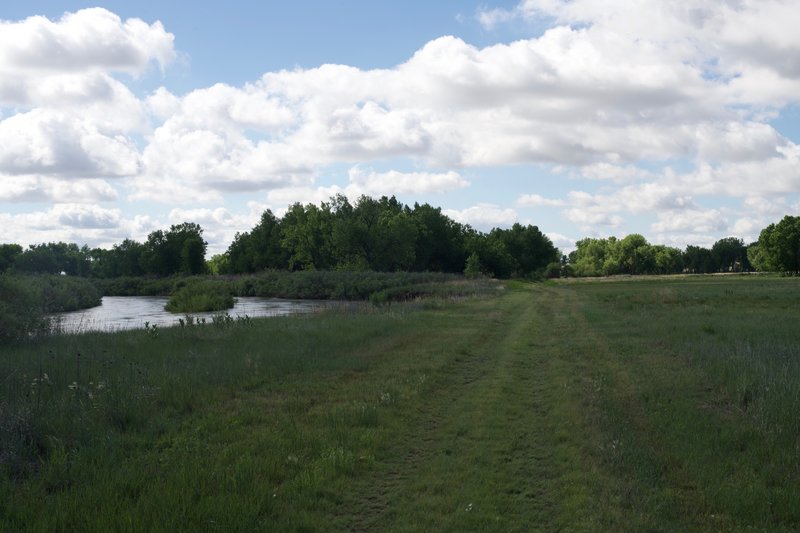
x=440 y=245
x=589 y=256
x=8 y=254
x=492 y=254
x=259 y=249
x=179 y=250
x=218 y=264
x=730 y=255
x=531 y=250
x=698 y=260
x=306 y=236
x=473 y=267
x=778 y=247
x=54 y=258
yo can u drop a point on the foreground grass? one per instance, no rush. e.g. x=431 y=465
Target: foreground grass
x=654 y=405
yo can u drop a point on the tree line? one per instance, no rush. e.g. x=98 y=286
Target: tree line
x=776 y=250
x=384 y=235
x=381 y=235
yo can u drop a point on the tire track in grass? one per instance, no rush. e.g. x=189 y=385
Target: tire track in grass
x=499 y=445
x=377 y=500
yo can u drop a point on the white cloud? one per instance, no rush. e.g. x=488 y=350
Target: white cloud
x=536 y=200
x=43 y=189
x=586 y=219
x=393 y=182
x=371 y=183
x=691 y=220
x=78 y=223
x=484 y=216
x=754 y=44
x=51 y=143
x=87 y=40
x=562 y=242
x=618 y=174
x=86 y=216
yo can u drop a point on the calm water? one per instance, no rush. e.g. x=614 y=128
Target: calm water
x=131 y=312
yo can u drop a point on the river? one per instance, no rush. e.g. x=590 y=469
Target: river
x=131 y=312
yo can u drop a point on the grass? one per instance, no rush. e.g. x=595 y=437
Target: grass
x=615 y=405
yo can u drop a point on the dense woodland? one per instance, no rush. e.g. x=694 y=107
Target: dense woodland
x=384 y=235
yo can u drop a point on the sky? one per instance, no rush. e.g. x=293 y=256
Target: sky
x=679 y=120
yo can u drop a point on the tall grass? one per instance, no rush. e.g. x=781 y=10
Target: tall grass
x=712 y=366
x=148 y=423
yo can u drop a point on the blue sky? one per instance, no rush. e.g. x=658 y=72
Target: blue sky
x=679 y=121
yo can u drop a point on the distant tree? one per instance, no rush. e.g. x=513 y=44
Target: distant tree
x=473 y=267
x=698 y=260
x=54 y=258
x=193 y=253
x=179 y=250
x=441 y=242
x=667 y=260
x=218 y=264
x=306 y=236
x=778 y=247
x=589 y=257
x=730 y=255
x=635 y=255
x=374 y=234
x=258 y=249
x=531 y=250
x=8 y=254
x=492 y=254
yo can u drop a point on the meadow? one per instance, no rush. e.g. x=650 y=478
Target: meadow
x=666 y=404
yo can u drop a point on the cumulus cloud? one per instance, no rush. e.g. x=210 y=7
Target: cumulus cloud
x=79 y=223
x=89 y=39
x=691 y=220
x=752 y=44
x=393 y=182
x=484 y=216
x=371 y=183
x=49 y=143
x=86 y=216
x=536 y=200
x=44 y=189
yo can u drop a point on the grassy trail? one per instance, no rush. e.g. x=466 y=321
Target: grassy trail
x=501 y=444
x=555 y=419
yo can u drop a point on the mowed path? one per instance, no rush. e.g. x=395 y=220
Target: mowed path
x=552 y=415
x=502 y=443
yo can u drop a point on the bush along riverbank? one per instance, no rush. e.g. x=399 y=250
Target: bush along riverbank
x=200 y=296
x=304 y=284
x=25 y=302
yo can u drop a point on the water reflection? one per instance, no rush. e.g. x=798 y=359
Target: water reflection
x=131 y=312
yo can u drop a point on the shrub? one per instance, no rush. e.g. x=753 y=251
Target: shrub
x=21 y=312
x=200 y=296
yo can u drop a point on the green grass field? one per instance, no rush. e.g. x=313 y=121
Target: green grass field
x=637 y=404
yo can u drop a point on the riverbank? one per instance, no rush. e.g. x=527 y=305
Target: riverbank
x=588 y=406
